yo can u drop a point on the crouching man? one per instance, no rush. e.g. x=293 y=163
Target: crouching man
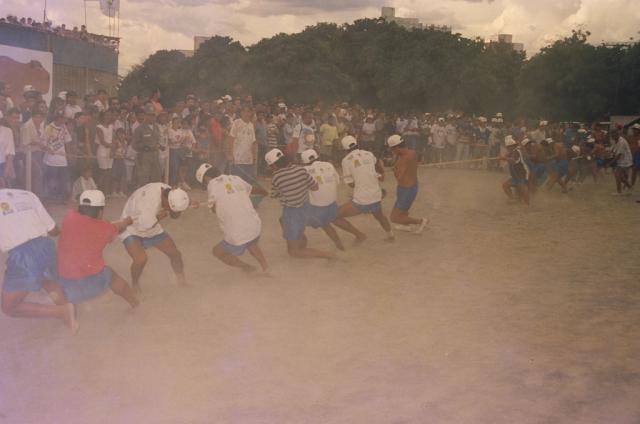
x=83 y=237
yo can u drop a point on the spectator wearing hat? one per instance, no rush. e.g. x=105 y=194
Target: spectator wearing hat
x=146 y=142
x=84 y=235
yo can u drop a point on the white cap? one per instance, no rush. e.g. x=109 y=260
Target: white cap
x=227 y=98
x=178 y=200
x=272 y=156
x=509 y=141
x=92 y=198
x=636 y=126
x=549 y=140
x=582 y=131
x=544 y=123
x=63 y=95
x=282 y=105
x=309 y=155
x=441 y=119
x=499 y=120
x=482 y=119
x=591 y=140
x=576 y=149
x=28 y=89
x=394 y=140
x=499 y=114
x=349 y=142
x=201 y=171
x=525 y=141
x=219 y=101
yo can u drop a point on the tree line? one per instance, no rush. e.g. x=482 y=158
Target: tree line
x=382 y=65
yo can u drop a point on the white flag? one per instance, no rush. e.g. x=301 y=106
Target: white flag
x=110 y=7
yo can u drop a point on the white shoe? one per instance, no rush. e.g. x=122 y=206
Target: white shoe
x=422 y=226
x=402 y=228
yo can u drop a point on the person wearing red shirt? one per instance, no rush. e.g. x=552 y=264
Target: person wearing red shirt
x=84 y=235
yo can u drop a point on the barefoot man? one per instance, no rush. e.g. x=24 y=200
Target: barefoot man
x=229 y=198
x=323 y=206
x=291 y=184
x=31 y=262
x=363 y=172
x=406 y=172
x=147 y=206
x=83 y=237
x=518 y=170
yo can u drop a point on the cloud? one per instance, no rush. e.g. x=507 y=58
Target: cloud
x=150 y=25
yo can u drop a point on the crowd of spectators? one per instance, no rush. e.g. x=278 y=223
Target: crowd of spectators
x=62 y=30
x=121 y=144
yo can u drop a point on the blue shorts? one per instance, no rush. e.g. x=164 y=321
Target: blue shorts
x=538 y=169
x=560 y=167
x=236 y=250
x=405 y=197
x=636 y=160
x=29 y=264
x=321 y=216
x=80 y=290
x=293 y=221
x=371 y=208
x=147 y=242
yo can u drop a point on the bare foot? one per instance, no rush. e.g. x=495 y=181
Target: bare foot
x=70 y=318
x=136 y=289
x=360 y=239
x=248 y=269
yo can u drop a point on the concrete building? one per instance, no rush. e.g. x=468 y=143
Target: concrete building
x=507 y=39
x=389 y=15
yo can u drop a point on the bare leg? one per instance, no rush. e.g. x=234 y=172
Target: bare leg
x=345 y=225
x=402 y=217
x=169 y=248
x=506 y=187
x=297 y=249
x=231 y=260
x=120 y=287
x=333 y=235
x=55 y=292
x=524 y=193
x=347 y=210
x=384 y=223
x=256 y=252
x=139 y=257
x=13 y=305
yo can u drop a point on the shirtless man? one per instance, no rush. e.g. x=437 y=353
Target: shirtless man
x=559 y=165
x=406 y=172
x=535 y=158
x=517 y=169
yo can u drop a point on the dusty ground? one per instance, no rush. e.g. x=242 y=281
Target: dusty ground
x=495 y=315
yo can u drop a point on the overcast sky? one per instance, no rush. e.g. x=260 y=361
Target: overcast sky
x=150 y=25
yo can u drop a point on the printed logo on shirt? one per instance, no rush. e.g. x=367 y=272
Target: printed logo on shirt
x=6 y=208
x=229 y=188
x=319 y=179
x=356 y=163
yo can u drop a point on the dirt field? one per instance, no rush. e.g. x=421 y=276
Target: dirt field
x=497 y=314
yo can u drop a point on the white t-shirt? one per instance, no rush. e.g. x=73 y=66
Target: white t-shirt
x=438 y=136
x=452 y=134
x=30 y=136
x=143 y=207
x=305 y=135
x=244 y=137
x=101 y=107
x=622 y=148
x=22 y=218
x=359 y=167
x=107 y=133
x=71 y=110
x=237 y=217
x=55 y=138
x=327 y=178
x=7 y=145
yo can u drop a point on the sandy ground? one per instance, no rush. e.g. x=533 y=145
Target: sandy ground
x=495 y=315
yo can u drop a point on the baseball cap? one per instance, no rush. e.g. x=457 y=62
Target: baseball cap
x=272 y=156
x=282 y=105
x=178 y=200
x=29 y=89
x=201 y=171
x=309 y=155
x=591 y=140
x=92 y=198
x=349 y=142
x=636 y=126
x=394 y=140
x=227 y=98
x=544 y=123
x=509 y=141
x=576 y=149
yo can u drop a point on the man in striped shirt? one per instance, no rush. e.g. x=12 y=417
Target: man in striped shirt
x=291 y=184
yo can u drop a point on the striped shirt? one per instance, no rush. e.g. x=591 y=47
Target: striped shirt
x=291 y=185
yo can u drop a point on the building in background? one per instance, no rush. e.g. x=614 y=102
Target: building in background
x=82 y=61
x=389 y=15
x=507 y=39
